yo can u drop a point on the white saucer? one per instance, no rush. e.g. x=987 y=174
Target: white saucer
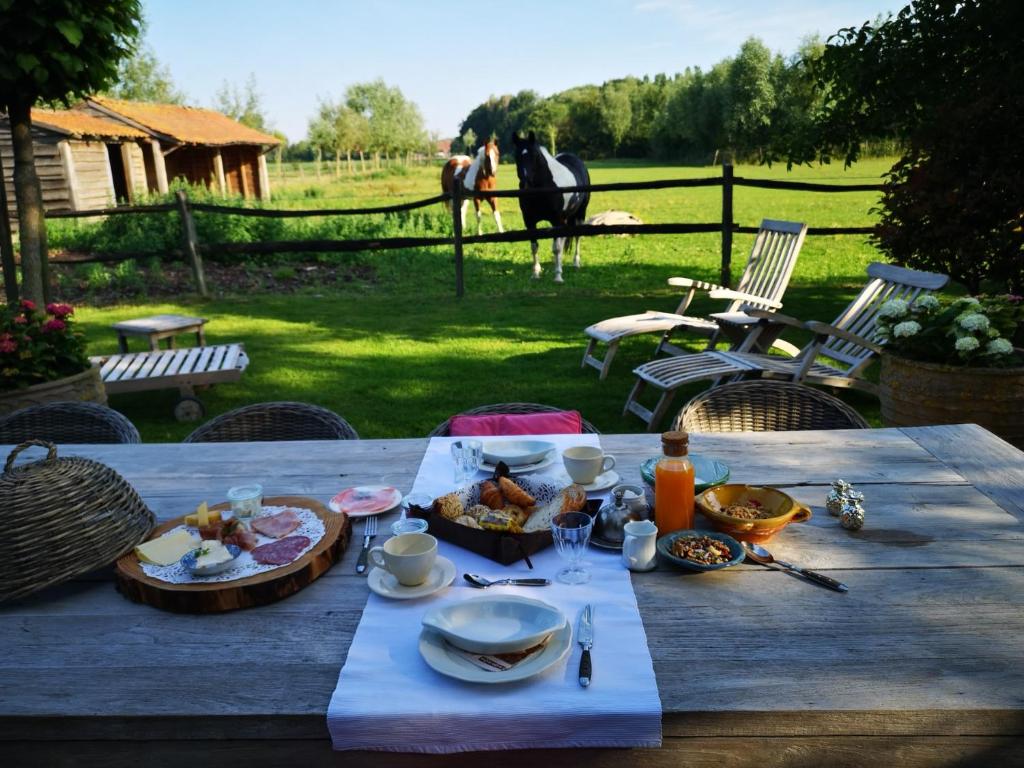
x=438 y=654
x=601 y=482
x=386 y=585
x=524 y=469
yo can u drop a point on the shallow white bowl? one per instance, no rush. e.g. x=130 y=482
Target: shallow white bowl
x=516 y=452
x=498 y=624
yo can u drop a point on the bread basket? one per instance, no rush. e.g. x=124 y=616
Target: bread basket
x=64 y=517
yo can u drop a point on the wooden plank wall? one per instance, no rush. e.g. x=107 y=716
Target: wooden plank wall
x=56 y=196
x=193 y=163
x=241 y=171
x=136 y=167
x=92 y=168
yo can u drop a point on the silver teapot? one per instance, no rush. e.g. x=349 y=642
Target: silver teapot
x=628 y=503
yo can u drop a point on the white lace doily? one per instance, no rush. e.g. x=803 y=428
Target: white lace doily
x=310 y=526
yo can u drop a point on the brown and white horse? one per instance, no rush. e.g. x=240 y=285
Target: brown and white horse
x=478 y=175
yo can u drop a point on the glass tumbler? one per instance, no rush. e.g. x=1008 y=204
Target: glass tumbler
x=468 y=456
x=571 y=532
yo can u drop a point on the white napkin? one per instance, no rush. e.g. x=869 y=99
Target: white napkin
x=388 y=699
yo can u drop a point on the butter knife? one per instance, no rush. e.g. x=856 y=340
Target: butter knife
x=585 y=637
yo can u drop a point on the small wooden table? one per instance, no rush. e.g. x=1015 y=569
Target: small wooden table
x=160 y=327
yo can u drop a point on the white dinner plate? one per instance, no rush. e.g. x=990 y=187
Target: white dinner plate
x=386 y=585
x=444 y=659
x=516 y=453
x=524 y=469
x=495 y=623
x=388 y=501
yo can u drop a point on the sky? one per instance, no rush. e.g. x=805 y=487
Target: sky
x=450 y=56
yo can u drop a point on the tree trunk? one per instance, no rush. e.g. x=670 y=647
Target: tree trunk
x=318 y=164
x=348 y=160
x=29 y=195
x=6 y=246
x=362 y=162
x=337 y=163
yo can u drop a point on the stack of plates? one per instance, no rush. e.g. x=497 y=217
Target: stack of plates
x=521 y=456
x=456 y=636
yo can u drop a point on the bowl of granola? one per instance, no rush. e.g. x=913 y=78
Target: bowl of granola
x=700 y=550
x=750 y=512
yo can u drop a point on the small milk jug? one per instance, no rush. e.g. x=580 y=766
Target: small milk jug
x=639 y=551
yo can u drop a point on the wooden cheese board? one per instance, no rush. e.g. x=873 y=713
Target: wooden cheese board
x=248 y=592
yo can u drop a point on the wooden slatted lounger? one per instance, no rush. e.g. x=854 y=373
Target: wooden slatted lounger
x=181 y=369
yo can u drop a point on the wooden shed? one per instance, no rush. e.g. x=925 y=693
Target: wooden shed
x=83 y=162
x=200 y=145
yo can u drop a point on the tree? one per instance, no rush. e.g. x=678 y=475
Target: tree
x=944 y=76
x=53 y=51
x=393 y=124
x=616 y=111
x=750 y=99
x=141 y=77
x=242 y=104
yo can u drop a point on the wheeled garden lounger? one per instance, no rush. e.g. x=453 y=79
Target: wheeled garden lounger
x=183 y=369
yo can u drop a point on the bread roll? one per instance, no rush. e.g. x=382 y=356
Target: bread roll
x=571 y=499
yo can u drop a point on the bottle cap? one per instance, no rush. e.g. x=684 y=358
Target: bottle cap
x=675 y=443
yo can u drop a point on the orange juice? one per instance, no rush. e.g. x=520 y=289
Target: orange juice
x=673 y=485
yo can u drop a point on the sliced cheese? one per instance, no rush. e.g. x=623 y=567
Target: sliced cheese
x=214 y=516
x=167 y=549
x=203 y=514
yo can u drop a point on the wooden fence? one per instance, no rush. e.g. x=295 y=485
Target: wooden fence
x=192 y=250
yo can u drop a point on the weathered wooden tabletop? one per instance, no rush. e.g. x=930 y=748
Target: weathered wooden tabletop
x=919 y=664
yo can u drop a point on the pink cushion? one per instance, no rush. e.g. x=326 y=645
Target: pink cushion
x=492 y=424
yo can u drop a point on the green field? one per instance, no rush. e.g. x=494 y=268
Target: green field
x=396 y=353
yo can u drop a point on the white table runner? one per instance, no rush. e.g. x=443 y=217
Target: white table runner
x=388 y=699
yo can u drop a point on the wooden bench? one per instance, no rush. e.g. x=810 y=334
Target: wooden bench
x=160 y=327
x=183 y=369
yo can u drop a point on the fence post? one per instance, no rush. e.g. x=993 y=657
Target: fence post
x=726 y=277
x=190 y=242
x=457 y=230
x=10 y=269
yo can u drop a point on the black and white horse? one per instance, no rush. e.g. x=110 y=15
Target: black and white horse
x=537 y=169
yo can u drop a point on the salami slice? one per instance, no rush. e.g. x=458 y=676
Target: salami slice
x=276 y=526
x=280 y=552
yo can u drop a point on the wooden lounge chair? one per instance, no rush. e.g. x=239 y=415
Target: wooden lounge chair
x=849 y=343
x=766 y=406
x=762 y=285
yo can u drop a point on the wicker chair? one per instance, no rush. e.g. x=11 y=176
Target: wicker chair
x=442 y=429
x=68 y=422
x=274 y=421
x=766 y=406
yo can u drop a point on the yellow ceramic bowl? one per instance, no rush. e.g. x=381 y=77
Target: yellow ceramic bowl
x=784 y=508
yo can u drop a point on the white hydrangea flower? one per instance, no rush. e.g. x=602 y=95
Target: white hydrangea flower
x=999 y=347
x=973 y=321
x=906 y=328
x=926 y=302
x=893 y=308
x=967 y=344
x=967 y=301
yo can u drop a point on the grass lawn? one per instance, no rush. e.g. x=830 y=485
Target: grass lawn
x=397 y=354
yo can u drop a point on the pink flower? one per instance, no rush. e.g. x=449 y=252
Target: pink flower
x=7 y=343
x=27 y=305
x=60 y=310
x=21 y=320
x=54 y=325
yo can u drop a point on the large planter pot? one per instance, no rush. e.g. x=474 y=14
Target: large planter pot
x=86 y=386
x=917 y=394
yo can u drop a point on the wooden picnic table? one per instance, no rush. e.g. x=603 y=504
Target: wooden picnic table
x=919 y=664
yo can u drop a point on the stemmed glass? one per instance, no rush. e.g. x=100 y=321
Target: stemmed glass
x=468 y=456
x=571 y=532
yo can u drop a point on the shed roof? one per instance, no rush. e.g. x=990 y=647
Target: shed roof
x=80 y=124
x=188 y=125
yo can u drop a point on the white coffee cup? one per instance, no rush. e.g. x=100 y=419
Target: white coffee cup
x=639 y=547
x=584 y=463
x=408 y=557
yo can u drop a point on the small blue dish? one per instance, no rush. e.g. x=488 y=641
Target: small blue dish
x=708 y=471
x=735 y=549
x=189 y=561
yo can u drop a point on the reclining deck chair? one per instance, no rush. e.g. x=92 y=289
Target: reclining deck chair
x=849 y=342
x=764 y=280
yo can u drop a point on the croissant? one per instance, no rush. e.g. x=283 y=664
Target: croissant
x=515 y=494
x=490 y=495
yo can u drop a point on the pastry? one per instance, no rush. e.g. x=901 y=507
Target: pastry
x=500 y=521
x=477 y=510
x=490 y=495
x=514 y=494
x=466 y=520
x=449 y=506
x=571 y=499
x=516 y=513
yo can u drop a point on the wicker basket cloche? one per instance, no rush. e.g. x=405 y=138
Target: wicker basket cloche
x=63 y=517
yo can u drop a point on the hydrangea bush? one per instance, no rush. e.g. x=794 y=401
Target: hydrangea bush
x=966 y=331
x=37 y=347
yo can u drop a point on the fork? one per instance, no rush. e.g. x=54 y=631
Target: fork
x=369 y=534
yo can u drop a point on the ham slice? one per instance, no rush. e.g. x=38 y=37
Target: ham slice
x=280 y=552
x=366 y=499
x=276 y=526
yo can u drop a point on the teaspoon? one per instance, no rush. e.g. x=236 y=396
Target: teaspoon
x=761 y=555
x=482 y=583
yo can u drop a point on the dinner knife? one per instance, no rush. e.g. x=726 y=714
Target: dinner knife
x=361 y=561
x=585 y=637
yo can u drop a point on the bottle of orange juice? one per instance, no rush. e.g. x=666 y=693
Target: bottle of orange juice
x=673 y=484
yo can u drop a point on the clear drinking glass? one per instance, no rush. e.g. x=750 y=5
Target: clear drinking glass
x=571 y=532
x=468 y=456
